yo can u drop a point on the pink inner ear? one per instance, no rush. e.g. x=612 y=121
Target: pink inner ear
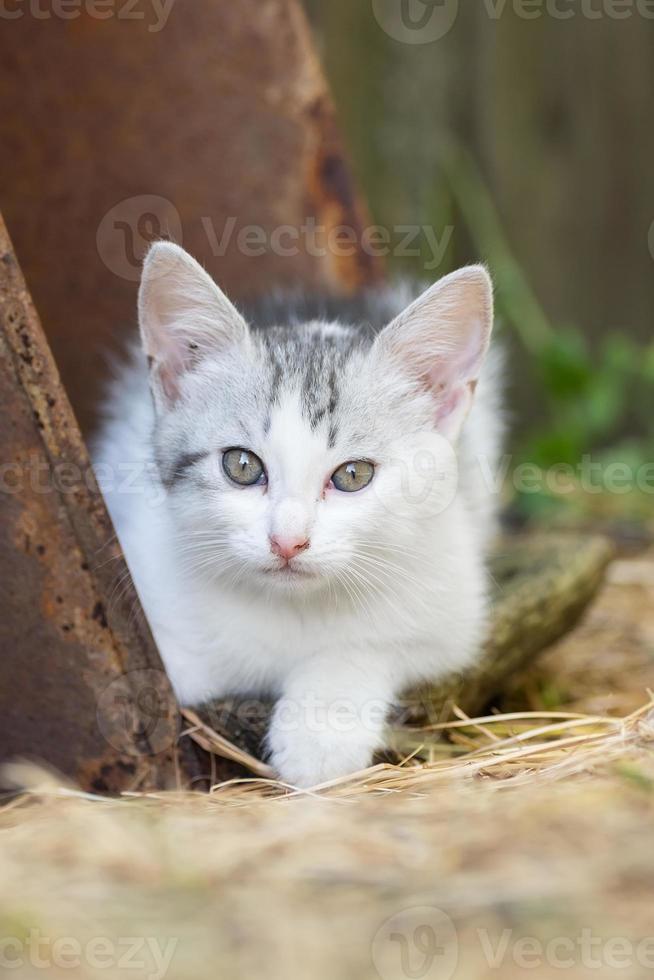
x=166 y=363
x=453 y=379
x=168 y=381
x=462 y=362
x=452 y=409
x=442 y=338
x=448 y=403
x=458 y=367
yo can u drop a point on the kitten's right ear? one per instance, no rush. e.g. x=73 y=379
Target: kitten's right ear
x=440 y=341
x=183 y=316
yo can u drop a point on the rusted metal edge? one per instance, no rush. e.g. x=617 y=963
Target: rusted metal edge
x=105 y=660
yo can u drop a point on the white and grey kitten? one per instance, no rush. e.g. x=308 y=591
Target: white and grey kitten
x=298 y=528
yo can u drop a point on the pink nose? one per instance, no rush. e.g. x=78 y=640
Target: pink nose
x=287 y=547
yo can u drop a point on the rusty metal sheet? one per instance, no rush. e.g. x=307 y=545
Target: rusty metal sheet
x=118 y=129
x=81 y=683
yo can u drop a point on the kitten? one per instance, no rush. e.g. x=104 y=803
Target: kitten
x=302 y=525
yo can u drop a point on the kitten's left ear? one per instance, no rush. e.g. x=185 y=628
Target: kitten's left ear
x=183 y=316
x=441 y=340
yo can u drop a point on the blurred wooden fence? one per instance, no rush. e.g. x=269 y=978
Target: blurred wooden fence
x=558 y=113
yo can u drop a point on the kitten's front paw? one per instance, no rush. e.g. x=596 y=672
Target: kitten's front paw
x=306 y=760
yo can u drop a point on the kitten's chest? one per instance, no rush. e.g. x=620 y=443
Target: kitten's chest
x=216 y=648
x=273 y=638
x=223 y=644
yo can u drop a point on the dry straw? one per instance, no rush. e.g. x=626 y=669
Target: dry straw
x=259 y=879
x=519 y=746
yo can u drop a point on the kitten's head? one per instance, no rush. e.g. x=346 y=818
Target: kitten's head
x=288 y=453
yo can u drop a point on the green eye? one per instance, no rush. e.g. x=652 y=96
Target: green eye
x=243 y=467
x=353 y=476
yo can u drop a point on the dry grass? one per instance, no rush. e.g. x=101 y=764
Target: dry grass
x=519 y=824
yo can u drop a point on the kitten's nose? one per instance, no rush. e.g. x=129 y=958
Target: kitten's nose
x=288 y=547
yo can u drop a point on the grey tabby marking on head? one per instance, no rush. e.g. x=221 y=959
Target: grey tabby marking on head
x=306 y=351
x=180 y=468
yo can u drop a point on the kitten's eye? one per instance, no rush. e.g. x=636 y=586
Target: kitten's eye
x=243 y=467
x=353 y=476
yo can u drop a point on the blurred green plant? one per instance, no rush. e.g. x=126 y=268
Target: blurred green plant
x=590 y=398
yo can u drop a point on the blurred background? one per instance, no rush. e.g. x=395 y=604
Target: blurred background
x=522 y=135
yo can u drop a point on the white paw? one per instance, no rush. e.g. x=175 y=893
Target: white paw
x=305 y=760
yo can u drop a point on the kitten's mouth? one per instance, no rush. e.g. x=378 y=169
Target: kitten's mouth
x=289 y=571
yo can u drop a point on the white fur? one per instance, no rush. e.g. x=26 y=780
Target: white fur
x=395 y=587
